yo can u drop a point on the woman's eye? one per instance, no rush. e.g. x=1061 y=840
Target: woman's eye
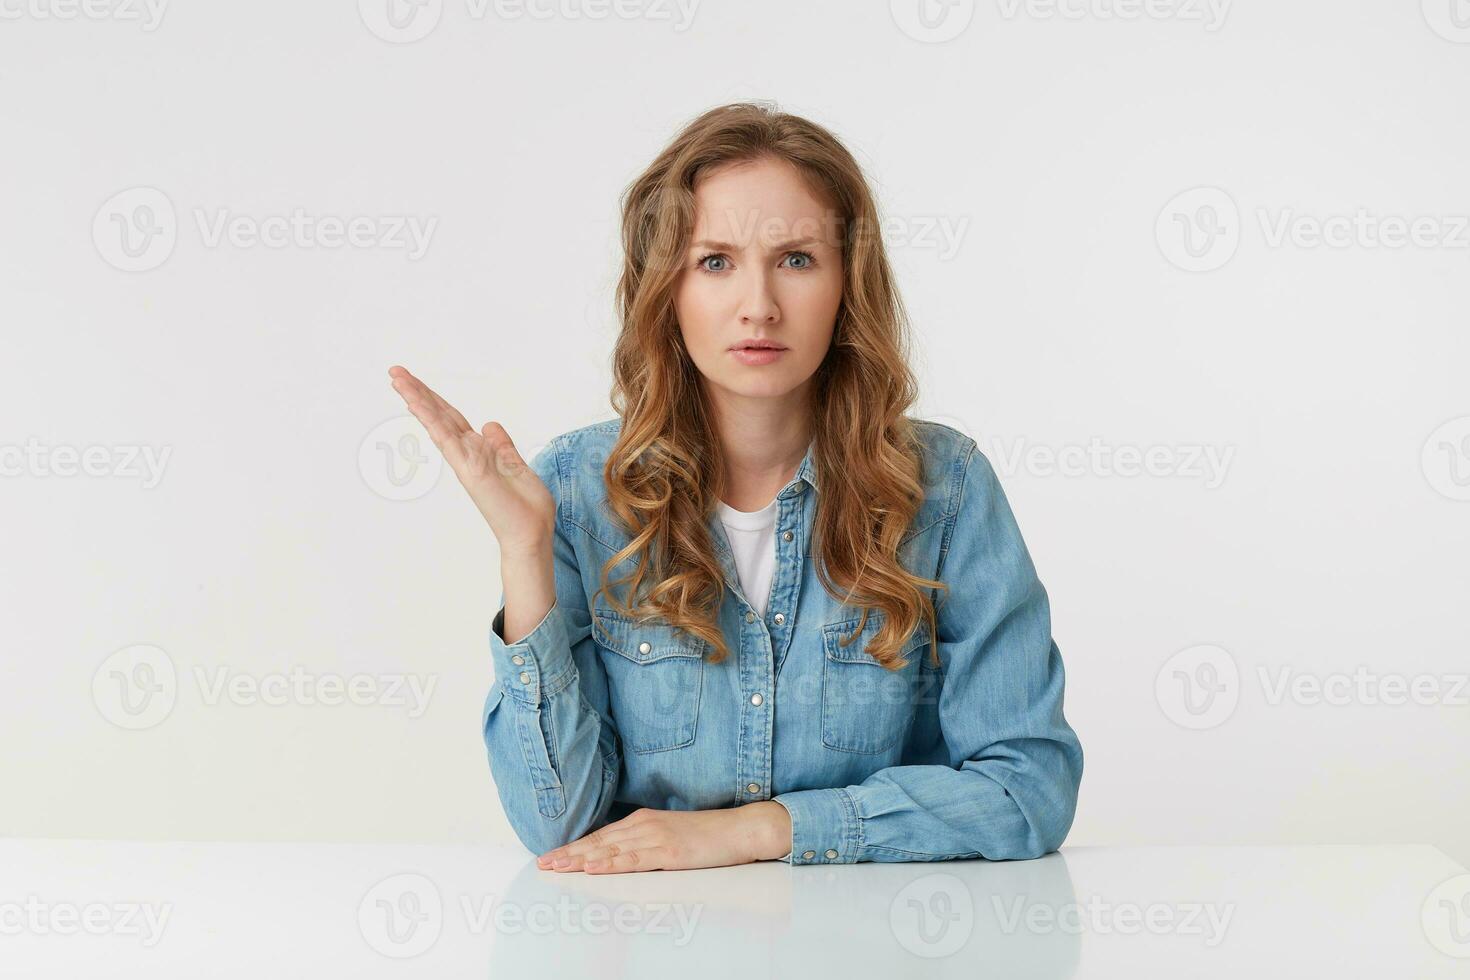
x=797 y=260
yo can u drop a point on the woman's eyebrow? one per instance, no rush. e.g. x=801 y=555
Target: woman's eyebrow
x=782 y=246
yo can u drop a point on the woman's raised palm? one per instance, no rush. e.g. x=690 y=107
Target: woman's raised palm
x=512 y=498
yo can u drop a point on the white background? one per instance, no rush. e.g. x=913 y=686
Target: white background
x=1031 y=168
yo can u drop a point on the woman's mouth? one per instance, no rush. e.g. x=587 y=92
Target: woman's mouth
x=757 y=355
x=757 y=350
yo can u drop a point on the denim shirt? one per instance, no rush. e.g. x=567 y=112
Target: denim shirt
x=586 y=723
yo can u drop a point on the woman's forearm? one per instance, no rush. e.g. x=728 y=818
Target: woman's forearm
x=529 y=583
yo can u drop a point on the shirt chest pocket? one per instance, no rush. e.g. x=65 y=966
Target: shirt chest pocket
x=866 y=707
x=655 y=675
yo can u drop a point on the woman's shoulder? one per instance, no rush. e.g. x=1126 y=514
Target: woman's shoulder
x=571 y=463
x=589 y=437
x=942 y=440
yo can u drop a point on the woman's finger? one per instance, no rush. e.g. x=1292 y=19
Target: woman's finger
x=631 y=858
x=432 y=419
x=607 y=854
x=454 y=419
x=450 y=411
x=443 y=424
x=577 y=850
x=415 y=392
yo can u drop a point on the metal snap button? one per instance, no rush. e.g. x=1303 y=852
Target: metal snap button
x=831 y=853
x=787 y=536
x=518 y=660
x=644 y=647
x=779 y=619
x=749 y=616
x=753 y=787
x=808 y=854
x=756 y=699
x=525 y=677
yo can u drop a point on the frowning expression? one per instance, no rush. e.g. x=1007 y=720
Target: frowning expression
x=763 y=269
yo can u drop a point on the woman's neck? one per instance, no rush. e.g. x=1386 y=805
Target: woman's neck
x=763 y=441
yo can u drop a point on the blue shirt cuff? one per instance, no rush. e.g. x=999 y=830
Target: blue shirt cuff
x=539 y=664
x=824 y=826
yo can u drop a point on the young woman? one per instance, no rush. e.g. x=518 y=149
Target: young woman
x=762 y=614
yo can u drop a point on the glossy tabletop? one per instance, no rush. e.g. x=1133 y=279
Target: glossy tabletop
x=98 y=908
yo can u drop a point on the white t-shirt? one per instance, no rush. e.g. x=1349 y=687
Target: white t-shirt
x=752 y=535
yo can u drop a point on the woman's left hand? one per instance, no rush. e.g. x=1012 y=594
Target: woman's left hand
x=678 y=840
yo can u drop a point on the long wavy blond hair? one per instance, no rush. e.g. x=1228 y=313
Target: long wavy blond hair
x=666 y=471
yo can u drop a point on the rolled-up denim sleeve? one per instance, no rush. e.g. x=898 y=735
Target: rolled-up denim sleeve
x=552 y=747
x=1010 y=790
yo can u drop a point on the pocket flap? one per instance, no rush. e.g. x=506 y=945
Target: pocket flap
x=856 y=649
x=647 y=641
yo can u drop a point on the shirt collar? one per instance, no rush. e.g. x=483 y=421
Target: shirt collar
x=806 y=471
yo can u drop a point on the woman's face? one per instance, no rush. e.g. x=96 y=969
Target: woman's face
x=765 y=262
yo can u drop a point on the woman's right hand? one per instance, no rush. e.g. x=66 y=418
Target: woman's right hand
x=512 y=498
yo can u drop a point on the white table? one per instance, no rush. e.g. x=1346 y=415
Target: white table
x=102 y=908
